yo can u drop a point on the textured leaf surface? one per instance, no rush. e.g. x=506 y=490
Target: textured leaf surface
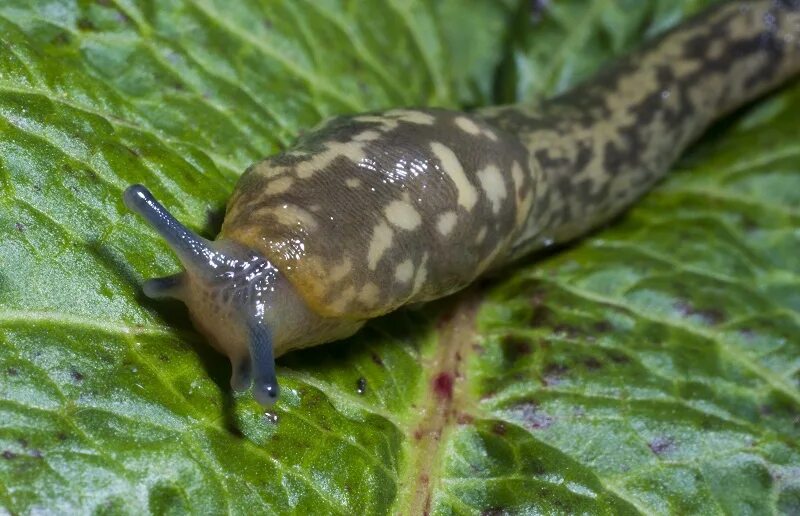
x=653 y=367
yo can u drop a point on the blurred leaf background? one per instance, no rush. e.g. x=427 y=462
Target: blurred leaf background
x=653 y=367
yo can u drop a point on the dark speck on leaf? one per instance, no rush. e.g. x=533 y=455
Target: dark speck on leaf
x=531 y=416
x=747 y=333
x=749 y=224
x=376 y=359
x=537 y=297
x=516 y=347
x=61 y=39
x=554 y=373
x=499 y=428
x=541 y=316
x=12 y=371
x=538 y=7
x=361 y=385
x=494 y=511
x=443 y=386
x=8 y=455
x=20 y=226
x=661 y=445
x=85 y=24
x=602 y=327
x=121 y=17
x=592 y=364
x=618 y=357
x=567 y=330
x=77 y=376
x=709 y=316
x=61 y=436
x=271 y=417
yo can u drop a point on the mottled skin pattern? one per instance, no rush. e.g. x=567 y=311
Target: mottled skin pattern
x=601 y=145
x=370 y=212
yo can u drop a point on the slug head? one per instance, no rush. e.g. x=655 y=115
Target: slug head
x=241 y=302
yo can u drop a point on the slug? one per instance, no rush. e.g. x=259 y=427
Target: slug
x=371 y=212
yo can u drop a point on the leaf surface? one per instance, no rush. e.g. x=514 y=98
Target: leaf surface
x=653 y=367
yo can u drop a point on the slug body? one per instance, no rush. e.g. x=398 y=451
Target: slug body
x=370 y=212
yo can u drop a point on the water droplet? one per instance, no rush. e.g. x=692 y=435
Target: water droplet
x=361 y=385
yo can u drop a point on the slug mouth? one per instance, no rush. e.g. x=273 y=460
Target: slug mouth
x=227 y=288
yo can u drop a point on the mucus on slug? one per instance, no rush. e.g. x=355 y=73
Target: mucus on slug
x=236 y=297
x=409 y=205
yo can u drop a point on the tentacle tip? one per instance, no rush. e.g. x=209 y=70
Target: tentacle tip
x=135 y=195
x=242 y=376
x=266 y=392
x=166 y=287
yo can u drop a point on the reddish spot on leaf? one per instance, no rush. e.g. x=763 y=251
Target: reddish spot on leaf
x=443 y=386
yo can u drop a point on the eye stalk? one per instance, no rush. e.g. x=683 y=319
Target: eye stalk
x=228 y=290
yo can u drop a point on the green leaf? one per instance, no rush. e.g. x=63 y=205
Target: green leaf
x=653 y=367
